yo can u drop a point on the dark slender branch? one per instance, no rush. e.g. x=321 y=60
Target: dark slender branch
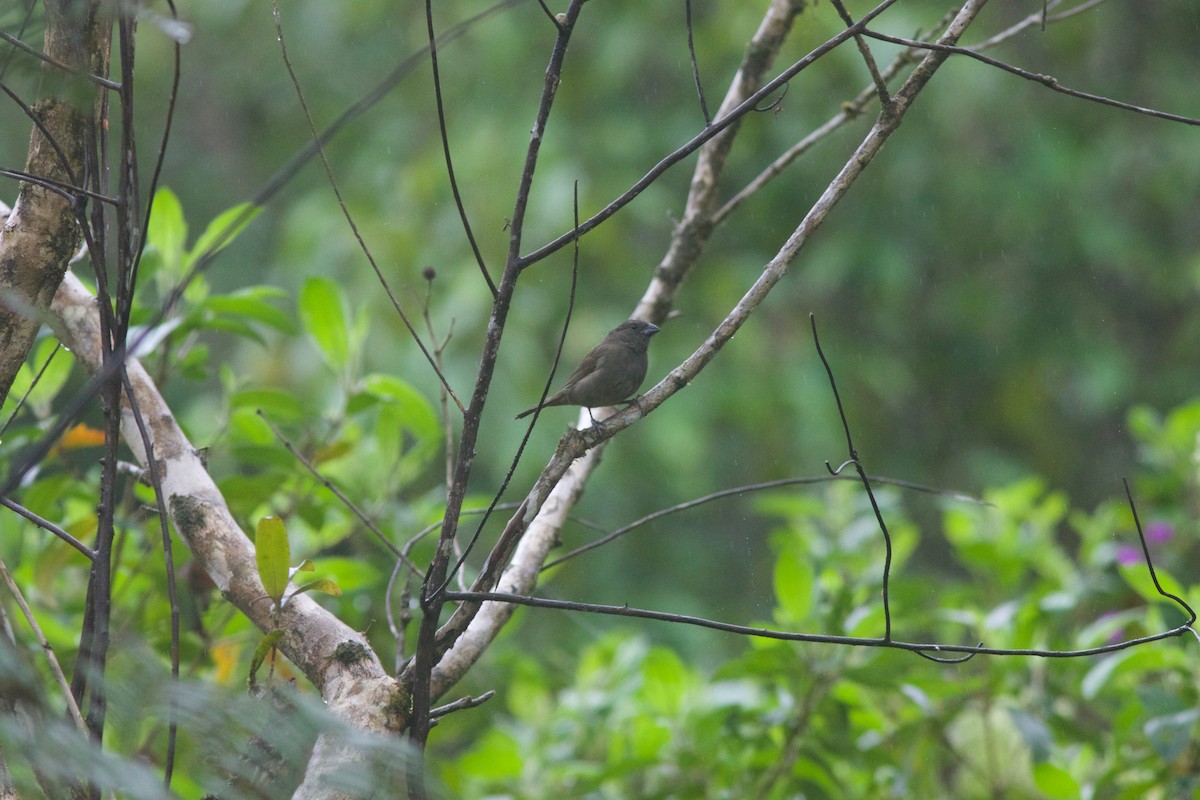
x=420 y=673
x=159 y=158
x=99 y=80
x=46 y=524
x=1048 y=81
x=862 y=474
x=695 y=69
x=549 y=14
x=789 y=636
x=462 y=703
x=64 y=190
x=441 y=113
x=880 y=84
x=937 y=660
x=1150 y=564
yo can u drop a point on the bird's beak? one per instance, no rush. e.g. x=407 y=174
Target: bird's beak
x=651 y=329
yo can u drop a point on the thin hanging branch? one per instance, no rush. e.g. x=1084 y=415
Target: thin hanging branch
x=441 y=114
x=687 y=5
x=862 y=474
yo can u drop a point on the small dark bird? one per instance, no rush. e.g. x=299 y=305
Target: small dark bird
x=610 y=373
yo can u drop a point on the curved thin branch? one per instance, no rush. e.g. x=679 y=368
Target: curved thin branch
x=814 y=638
x=1049 y=81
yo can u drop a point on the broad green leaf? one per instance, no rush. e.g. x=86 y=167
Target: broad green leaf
x=793 y=586
x=323 y=314
x=1055 y=782
x=252 y=304
x=272 y=554
x=167 y=231
x=665 y=681
x=224 y=228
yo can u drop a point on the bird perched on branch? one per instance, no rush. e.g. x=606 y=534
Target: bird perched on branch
x=610 y=373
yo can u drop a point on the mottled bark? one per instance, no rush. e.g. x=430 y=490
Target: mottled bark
x=42 y=232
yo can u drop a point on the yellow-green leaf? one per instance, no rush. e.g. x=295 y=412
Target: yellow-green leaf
x=272 y=553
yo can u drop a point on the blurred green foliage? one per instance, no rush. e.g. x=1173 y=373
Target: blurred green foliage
x=786 y=720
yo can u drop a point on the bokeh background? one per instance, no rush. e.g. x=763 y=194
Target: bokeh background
x=1013 y=274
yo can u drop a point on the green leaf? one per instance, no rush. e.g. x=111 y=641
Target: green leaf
x=793 y=585
x=265 y=646
x=323 y=315
x=167 y=231
x=252 y=304
x=497 y=756
x=1055 y=782
x=278 y=405
x=1138 y=578
x=224 y=229
x=272 y=554
x=323 y=585
x=665 y=681
x=235 y=326
x=1171 y=735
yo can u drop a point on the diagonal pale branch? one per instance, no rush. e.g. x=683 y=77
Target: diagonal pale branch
x=355 y=686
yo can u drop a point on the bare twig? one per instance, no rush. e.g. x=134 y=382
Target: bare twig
x=99 y=80
x=1048 y=81
x=47 y=648
x=687 y=5
x=431 y=598
x=333 y=184
x=462 y=703
x=46 y=524
x=880 y=84
x=1150 y=563
x=152 y=471
x=441 y=113
x=862 y=474
x=815 y=638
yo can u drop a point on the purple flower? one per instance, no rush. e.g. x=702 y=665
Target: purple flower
x=1159 y=531
x=1128 y=556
